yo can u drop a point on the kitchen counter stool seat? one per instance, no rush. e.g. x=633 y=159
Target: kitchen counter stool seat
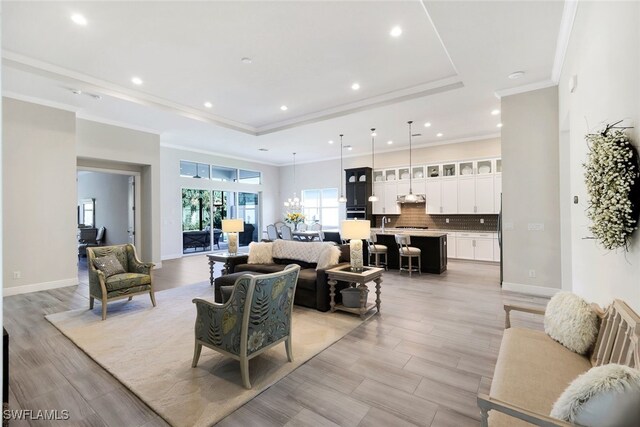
x=403 y=241
x=377 y=251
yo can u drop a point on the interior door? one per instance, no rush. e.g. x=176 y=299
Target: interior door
x=249 y=211
x=131 y=211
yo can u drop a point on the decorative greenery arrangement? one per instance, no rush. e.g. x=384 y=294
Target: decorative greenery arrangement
x=294 y=218
x=611 y=175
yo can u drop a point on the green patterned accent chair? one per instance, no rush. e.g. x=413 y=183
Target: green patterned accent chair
x=137 y=278
x=256 y=317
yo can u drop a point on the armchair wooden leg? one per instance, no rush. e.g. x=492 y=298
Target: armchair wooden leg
x=244 y=370
x=289 y=345
x=104 y=308
x=91 y=299
x=130 y=298
x=196 y=354
x=153 y=298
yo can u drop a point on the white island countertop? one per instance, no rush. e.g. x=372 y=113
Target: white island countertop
x=410 y=232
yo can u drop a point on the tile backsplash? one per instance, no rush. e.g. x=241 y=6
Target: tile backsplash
x=413 y=215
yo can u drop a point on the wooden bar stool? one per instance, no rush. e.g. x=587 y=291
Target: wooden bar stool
x=409 y=252
x=377 y=251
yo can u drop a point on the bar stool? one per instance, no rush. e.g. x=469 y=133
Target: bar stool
x=376 y=250
x=407 y=251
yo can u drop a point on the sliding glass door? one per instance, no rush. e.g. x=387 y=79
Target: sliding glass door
x=249 y=211
x=196 y=220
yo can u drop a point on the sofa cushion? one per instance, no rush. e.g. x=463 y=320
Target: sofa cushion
x=260 y=268
x=604 y=396
x=260 y=253
x=307 y=279
x=532 y=371
x=302 y=264
x=126 y=280
x=570 y=320
x=302 y=251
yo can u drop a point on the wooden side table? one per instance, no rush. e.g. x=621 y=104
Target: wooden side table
x=223 y=257
x=344 y=273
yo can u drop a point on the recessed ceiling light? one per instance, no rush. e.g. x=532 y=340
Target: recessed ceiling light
x=355 y=86
x=374 y=134
x=136 y=81
x=76 y=91
x=396 y=31
x=246 y=60
x=349 y=148
x=428 y=124
x=439 y=135
x=389 y=142
x=495 y=112
x=284 y=108
x=516 y=75
x=208 y=104
x=499 y=125
x=330 y=141
x=79 y=19
x=263 y=149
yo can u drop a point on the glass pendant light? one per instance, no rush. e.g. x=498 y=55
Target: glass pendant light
x=293 y=203
x=341 y=199
x=410 y=197
x=373 y=197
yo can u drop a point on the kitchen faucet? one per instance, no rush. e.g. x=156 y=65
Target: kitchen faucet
x=384 y=221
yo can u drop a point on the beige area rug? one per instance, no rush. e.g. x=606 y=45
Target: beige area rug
x=150 y=350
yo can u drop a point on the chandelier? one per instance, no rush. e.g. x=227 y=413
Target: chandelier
x=293 y=203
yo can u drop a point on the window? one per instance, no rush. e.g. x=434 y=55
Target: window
x=219 y=173
x=249 y=177
x=194 y=170
x=321 y=206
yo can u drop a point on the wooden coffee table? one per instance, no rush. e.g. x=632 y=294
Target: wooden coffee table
x=359 y=280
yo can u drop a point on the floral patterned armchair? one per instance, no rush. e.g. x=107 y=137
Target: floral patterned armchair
x=137 y=278
x=256 y=317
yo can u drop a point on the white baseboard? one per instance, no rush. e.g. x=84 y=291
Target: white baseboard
x=171 y=256
x=35 y=287
x=541 y=291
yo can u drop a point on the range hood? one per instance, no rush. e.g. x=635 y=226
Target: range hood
x=420 y=198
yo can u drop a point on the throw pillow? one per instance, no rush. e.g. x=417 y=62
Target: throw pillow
x=329 y=257
x=569 y=320
x=604 y=396
x=260 y=253
x=109 y=265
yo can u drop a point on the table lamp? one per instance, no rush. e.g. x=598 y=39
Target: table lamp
x=354 y=231
x=233 y=227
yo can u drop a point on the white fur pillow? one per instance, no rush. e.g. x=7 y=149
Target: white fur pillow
x=569 y=320
x=260 y=253
x=329 y=257
x=604 y=396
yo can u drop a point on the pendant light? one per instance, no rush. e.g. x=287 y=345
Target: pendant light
x=293 y=203
x=410 y=197
x=373 y=197
x=341 y=199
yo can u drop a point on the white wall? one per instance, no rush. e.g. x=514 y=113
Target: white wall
x=530 y=176
x=111 y=194
x=104 y=145
x=604 y=54
x=39 y=197
x=172 y=184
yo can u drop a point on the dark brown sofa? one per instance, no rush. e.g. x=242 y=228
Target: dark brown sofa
x=313 y=287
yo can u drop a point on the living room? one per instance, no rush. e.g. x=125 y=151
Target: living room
x=231 y=110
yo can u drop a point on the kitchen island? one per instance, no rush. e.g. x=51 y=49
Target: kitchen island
x=432 y=245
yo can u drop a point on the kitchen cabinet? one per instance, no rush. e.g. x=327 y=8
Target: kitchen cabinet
x=402 y=189
x=467 y=195
x=485 y=194
x=434 y=196
x=391 y=206
x=449 y=196
x=483 y=249
x=378 y=207
x=464 y=246
x=451 y=245
x=496 y=250
x=475 y=246
x=497 y=193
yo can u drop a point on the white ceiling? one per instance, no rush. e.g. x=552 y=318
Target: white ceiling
x=445 y=68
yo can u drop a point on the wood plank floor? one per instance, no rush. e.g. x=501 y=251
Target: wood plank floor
x=421 y=362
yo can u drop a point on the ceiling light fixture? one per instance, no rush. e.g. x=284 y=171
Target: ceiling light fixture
x=355 y=86
x=79 y=19
x=439 y=135
x=495 y=112
x=499 y=125
x=516 y=75
x=373 y=197
x=293 y=204
x=331 y=141
x=208 y=104
x=246 y=60
x=396 y=31
x=410 y=197
x=284 y=108
x=427 y=125
x=263 y=149
x=136 y=80
x=341 y=199
x=389 y=142
x=349 y=147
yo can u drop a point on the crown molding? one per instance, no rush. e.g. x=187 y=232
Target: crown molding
x=566 y=26
x=524 y=88
x=82 y=116
x=213 y=153
x=40 y=101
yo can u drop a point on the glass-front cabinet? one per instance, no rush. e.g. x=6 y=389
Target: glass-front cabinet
x=390 y=175
x=498 y=165
x=466 y=168
x=449 y=170
x=434 y=171
x=378 y=176
x=417 y=172
x=404 y=174
x=484 y=167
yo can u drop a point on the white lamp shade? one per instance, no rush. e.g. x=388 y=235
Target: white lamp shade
x=232 y=225
x=355 y=229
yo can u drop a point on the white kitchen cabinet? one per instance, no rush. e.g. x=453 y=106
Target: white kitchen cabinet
x=377 y=208
x=467 y=195
x=434 y=196
x=451 y=245
x=496 y=250
x=485 y=194
x=483 y=249
x=403 y=188
x=391 y=206
x=449 y=196
x=464 y=246
x=497 y=191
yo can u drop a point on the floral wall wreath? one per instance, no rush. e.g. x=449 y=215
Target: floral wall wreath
x=612 y=177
